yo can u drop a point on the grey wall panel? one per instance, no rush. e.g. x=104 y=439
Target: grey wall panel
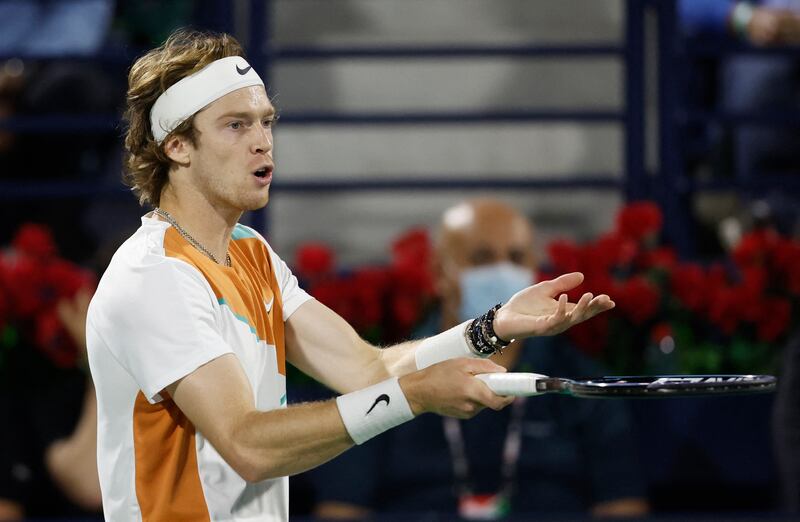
x=401 y=22
x=463 y=151
x=447 y=85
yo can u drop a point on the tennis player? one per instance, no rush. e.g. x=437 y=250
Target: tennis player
x=196 y=316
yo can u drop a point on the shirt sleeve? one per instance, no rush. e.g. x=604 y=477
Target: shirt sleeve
x=159 y=321
x=291 y=294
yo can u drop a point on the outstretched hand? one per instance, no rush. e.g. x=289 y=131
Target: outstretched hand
x=543 y=309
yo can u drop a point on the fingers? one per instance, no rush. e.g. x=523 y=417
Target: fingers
x=581 y=308
x=563 y=304
x=486 y=398
x=561 y=284
x=480 y=395
x=476 y=366
x=601 y=303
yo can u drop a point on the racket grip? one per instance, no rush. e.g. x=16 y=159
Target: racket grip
x=513 y=383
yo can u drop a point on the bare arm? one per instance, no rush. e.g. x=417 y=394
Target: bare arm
x=324 y=346
x=218 y=400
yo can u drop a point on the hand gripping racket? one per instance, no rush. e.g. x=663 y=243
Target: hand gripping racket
x=527 y=384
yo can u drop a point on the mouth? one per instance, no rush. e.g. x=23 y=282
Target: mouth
x=264 y=174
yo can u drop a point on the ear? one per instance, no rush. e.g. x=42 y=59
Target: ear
x=178 y=149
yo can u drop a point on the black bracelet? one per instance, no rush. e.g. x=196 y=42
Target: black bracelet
x=482 y=337
x=489 y=325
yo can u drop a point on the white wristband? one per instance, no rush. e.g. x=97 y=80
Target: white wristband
x=373 y=410
x=449 y=344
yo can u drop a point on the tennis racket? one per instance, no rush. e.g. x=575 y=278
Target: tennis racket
x=527 y=384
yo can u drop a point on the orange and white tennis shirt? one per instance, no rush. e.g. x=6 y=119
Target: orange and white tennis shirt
x=163 y=309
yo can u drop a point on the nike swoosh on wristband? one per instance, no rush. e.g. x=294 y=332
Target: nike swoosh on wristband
x=381 y=398
x=243 y=71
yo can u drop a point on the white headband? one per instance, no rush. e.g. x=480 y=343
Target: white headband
x=194 y=92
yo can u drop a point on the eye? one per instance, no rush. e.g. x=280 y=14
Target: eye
x=270 y=122
x=517 y=257
x=235 y=125
x=481 y=256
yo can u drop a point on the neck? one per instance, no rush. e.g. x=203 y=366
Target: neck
x=210 y=226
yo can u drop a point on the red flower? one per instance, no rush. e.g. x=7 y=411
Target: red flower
x=52 y=339
x=640 y=220
x=406 y=312
x=774 y=320
x=26 y=289
x=336 y=294
x=314 y=260
x=637 y=299
x=596 y=282
x=751 y=291
x=612 y=250
x=660 y=331
x=565 y=256
x=724 y=310
x=716 y=278
x=785 y=261
x=369 y=288
x=35 y=241
x=754 y=248
x=663 y=258
x=66 y=278
x=687 y=285
x=5 y=309
x=591 y=336
x=413 y=247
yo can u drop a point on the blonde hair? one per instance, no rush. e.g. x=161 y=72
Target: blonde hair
x=146 y=165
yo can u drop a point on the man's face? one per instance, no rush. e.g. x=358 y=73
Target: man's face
x=231 y=163
x=476 y=237
x=486 y=238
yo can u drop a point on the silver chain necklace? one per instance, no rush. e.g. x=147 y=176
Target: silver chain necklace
x=195 y=243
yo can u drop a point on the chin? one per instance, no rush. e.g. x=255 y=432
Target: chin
x=255 y=203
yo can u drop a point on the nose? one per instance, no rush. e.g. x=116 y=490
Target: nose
x=262 y=142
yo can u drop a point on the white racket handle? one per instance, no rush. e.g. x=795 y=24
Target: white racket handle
x=513 y=383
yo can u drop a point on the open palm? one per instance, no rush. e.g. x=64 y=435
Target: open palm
x=543 y=309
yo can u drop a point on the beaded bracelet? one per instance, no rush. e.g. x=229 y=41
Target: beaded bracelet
x=482 y=338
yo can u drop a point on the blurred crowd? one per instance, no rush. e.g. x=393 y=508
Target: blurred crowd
x=542 y=455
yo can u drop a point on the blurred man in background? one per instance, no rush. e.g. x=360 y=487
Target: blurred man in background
x=541 y=455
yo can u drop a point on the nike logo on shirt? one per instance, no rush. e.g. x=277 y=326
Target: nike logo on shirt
x=268 y=306
x=381 y=398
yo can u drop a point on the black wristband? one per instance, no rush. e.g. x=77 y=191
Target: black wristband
x=482 y=337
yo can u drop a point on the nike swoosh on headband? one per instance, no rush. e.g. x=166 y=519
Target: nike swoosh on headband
x=243 y=71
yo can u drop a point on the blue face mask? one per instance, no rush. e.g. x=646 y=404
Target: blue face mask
x=485 y=286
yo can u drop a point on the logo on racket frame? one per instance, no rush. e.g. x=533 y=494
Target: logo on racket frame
x=716 y=379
